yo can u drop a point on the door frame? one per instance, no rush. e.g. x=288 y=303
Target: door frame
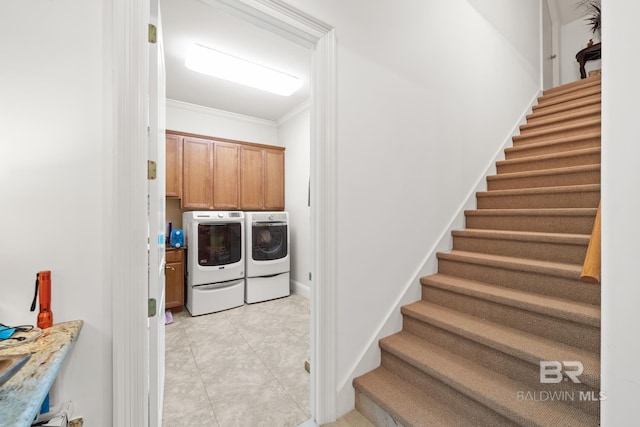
x=127 y=53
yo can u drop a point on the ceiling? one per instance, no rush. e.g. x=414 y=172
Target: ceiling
x=568 y=10
x=191 y=21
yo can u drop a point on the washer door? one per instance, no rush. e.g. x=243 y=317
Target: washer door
x=219 y=244
x=269 y=240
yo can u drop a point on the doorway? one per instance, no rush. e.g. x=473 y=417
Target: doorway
x=321 y=39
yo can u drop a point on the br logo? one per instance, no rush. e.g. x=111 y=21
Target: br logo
x=551 y=371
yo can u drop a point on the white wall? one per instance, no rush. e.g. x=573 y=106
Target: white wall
x=574 y=37
x=427 y=92
x=191 y=118
x=620 y=207
x=294 y=132
x=53 y=183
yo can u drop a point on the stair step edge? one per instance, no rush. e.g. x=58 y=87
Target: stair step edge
x=556 y=141
x=489 y=388
x=522 y=345
x=549 y=268
x=562 y=116
x=556 y=129
x=586 y=314
x=550 y=156
x=574 y=85
x=545 y=172
x=429 y=410
x=524 y=236
x=533 y=212
x=580 y=188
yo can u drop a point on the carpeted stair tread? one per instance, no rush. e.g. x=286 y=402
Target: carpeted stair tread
x=542 y=190
x=541 y=112
x=488 y=387
x=570 y=115
x=565 y=196
x=405 y=402
x=570 y=175
x=560 y=143
x=528 y=347
x=558 y=269
x=550 y=306
x=559 y=247
x=573 y=86
x=552 y=160
x=569 y=96
x=553 y=220
x=565 y=129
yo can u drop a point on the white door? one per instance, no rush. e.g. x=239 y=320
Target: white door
x=156 y=217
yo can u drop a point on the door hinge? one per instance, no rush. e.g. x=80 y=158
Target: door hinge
x=151 y=307
x=151 y=169
x=153 y=34
x=310 y=276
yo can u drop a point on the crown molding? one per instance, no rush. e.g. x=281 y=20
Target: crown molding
x=219 y=113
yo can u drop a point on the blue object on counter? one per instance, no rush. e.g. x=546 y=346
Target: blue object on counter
x=177 y=238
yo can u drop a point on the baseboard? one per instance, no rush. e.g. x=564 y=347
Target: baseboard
x=370 y=357
x=300 y=288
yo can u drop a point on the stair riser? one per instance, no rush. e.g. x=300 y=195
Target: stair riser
x=568 y=97
x=557 y=252
x=564 y=161
x=374 y=412
x=467 y=407
x=490 y=358
x=576 y=86
x=552 y=121
x=560 y=287
x=539 y=111
x=528 y=150
x=563 y=178
x=533 y=136
x=561 y=330
x=579 y=106
x=540 y=201
x=543 y=224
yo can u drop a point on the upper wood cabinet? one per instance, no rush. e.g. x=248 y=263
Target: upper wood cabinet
x=174 y=166
x=224 y=174
x=261 y=178
x=251 y=178
x=197 y=173
x=273 y=179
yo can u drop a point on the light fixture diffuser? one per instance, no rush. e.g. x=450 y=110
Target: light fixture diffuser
x=228 y=67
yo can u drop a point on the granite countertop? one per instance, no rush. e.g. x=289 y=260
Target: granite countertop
x=22 y=396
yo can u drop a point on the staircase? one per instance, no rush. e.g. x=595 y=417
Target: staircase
x=508 y=295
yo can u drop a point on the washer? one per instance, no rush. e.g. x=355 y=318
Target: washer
x=215 y=260
x=267 y=264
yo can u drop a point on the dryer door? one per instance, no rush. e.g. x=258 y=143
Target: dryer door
x=269 y=240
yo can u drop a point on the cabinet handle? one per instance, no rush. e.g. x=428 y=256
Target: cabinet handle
x=167 y=267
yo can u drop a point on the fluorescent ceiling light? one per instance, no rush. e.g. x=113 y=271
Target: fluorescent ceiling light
x=222 y=65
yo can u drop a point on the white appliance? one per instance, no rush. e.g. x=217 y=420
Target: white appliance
x=215 y=260
x=267 y=256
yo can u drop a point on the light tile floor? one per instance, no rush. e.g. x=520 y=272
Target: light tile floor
x=240 y=367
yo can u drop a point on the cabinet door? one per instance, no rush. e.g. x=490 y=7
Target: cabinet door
x=226 y=176
x=174 y=166
x=196 y=163
x=174 y=279
x=251 y=178
x=274 y=179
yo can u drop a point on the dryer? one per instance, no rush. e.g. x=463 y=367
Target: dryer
x=267 y=256
x=215 y=260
